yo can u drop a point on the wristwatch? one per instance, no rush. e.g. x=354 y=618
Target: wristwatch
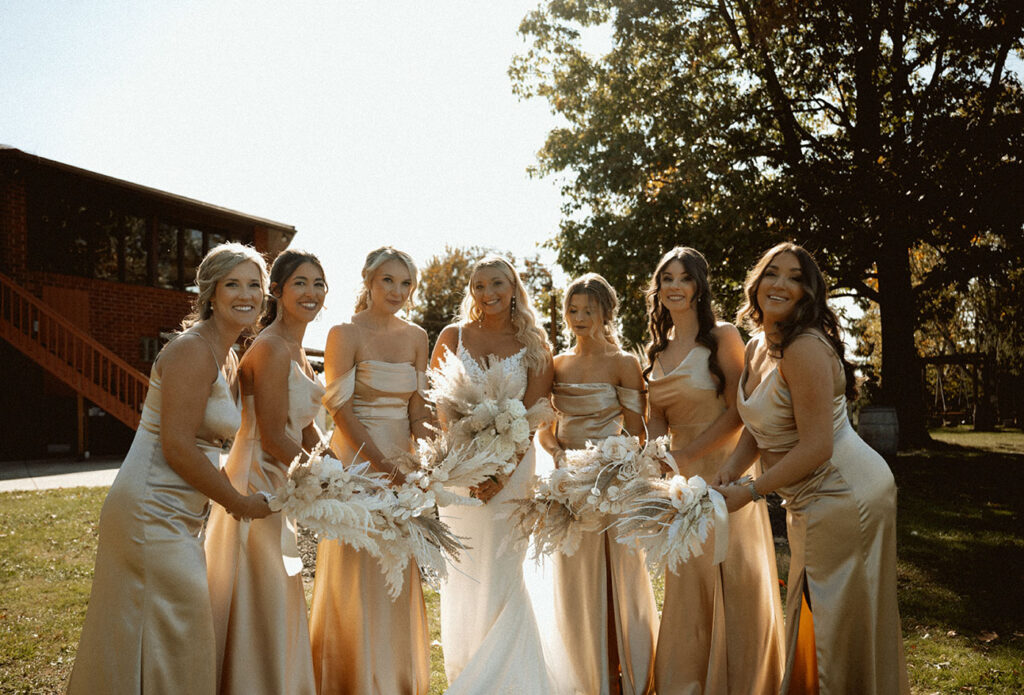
x=754 y=494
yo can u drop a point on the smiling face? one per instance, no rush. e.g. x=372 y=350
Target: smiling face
x=390 y=286
x=781 y=287
x=238 y=296
x=492 y=291
x=676 y=289
x=302 y=295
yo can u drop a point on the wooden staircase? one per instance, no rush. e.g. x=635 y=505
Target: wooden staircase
x=71 y=355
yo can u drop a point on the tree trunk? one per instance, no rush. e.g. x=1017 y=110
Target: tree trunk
x=901 y=367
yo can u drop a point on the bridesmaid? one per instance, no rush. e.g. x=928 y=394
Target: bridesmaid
x=363 y=642
x=604 y=604
x=721 y=625
x=149 y=628
x=840 y=495
x=254 y=570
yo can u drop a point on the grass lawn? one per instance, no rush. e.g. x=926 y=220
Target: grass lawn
x=961 y=571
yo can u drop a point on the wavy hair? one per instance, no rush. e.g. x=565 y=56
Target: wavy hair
x=216 y=264
x=376 y=259
x=597 y=290
x=285 y=265
x=811 y=312
x=523 y=317
x=659 y=320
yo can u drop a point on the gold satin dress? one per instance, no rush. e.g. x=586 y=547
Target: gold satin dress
x=363 y=642
x=254 y=569
x=604 y=605
x=721 y=625
x=149 y=627
x=841 y=523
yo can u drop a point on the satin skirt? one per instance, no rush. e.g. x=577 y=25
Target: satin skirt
x=149 y=626
x=606 y=616
x=259 y=606
x=488 y=628
x=841 y=522
x=721 y=625
x=363 y=642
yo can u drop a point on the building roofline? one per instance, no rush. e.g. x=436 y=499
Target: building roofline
x=172 y=198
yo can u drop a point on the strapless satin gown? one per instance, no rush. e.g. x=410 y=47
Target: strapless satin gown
x=604 y=606
x=841 y=523
x=149 y=628
x=254 y=569
x=363 y=642
x=721 y=625
x=488 y=628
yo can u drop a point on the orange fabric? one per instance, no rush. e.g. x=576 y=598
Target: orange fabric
x=804 y=678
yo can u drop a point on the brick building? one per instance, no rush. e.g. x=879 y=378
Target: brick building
x=93 y=270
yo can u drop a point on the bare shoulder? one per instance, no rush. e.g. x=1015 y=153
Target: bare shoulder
x=266 y=350
x=627 y=366
x=563 y=359
x=806 y=352
x=415 y=332
x=344 y=332
x=188 y=353
x=725 y=331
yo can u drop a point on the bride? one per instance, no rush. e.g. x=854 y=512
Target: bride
x=488 y=629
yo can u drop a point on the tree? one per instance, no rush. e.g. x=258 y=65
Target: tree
x=860 y=129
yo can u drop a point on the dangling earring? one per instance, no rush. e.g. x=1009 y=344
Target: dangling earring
x=513 y=304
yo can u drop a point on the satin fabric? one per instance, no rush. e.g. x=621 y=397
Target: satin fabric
x=489 y=631
x=363 y=642
x=149 y=627
x=604 y=605
x=254 y=572
x=841 y=522
x=721 y=625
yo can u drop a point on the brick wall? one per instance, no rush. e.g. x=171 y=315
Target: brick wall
x=13 y=227
x=121 y=315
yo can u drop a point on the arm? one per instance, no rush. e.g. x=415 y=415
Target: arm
x=419 y=412
x=264 y=372
x=631 y=376
x=805 y=365
x=187 y=373
x=339 y=358
x=547 y=439
x=724 y=427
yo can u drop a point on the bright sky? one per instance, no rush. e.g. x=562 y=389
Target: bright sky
x=359 y=122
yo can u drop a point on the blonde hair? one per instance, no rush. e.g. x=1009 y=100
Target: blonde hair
x=216 y=264
x=523 y=317
x=597 y=290
x=376 y=259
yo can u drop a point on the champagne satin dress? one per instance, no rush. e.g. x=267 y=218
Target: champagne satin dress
x=604 y=605
x=149 y=628
x=721 y=625
x=841 y=523
x=363 y=642
x=254 y=568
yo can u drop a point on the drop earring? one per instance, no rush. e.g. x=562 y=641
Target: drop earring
x=513 y=304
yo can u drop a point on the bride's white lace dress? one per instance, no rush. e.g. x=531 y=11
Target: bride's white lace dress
x=488 y=629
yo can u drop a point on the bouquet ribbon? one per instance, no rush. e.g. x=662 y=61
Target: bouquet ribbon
x=721 y=521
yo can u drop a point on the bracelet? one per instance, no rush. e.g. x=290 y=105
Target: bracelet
x=754 y=494
x=265 y=495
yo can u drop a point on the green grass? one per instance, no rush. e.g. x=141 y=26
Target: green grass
x=961 y=572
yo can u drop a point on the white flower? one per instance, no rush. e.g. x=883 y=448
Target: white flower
x=516 y=408
x=503 y=421
x=615 y=448
x=520 y=430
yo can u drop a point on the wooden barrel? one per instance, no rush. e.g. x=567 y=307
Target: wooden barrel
x=879 y=427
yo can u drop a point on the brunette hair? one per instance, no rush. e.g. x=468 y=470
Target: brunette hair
x=216 y=264
x=524 y=318
x=811 y=312
x=659 y=320
x=376 y=259
x=285 y=265
x=597 y=289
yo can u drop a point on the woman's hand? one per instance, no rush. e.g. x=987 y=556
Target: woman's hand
x=254 y=506
x=486 y=490
x=736 y=496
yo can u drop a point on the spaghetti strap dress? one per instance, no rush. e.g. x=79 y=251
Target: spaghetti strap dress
x=254 y=569
x=841 y=522
x=149 y=626
x=721 y=625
